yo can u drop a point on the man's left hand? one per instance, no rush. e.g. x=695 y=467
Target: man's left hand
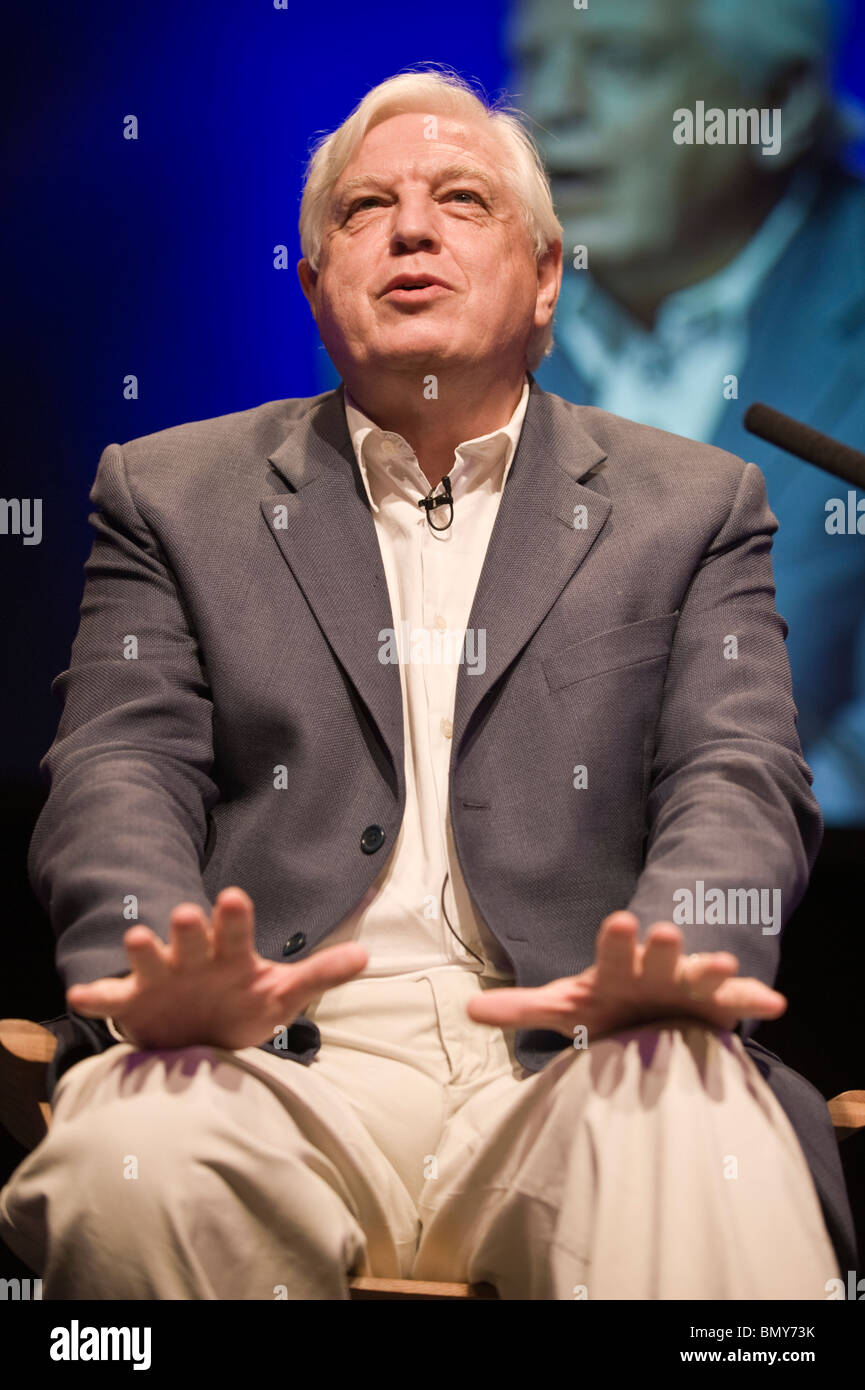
x=633 y=983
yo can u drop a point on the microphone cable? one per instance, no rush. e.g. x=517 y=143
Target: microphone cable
x=453 y=932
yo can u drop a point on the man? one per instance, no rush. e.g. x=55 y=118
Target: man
x=702 y=276
x=498 y=1080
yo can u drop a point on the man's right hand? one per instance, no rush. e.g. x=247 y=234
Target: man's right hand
x=208 y=984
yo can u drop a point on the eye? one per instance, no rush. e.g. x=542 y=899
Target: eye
x=465 y=193
x=368 y=200
x=628 y=59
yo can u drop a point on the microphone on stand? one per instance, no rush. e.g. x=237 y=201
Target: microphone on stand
x=430 y=503
x=806 y=443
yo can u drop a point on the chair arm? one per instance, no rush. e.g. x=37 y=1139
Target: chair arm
x=25 y=1051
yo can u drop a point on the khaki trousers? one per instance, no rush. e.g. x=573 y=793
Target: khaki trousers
x=656 y=1164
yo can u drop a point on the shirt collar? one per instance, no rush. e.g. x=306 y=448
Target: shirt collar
x=388 y=465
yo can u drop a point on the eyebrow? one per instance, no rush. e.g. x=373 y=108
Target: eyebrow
x=447 y=175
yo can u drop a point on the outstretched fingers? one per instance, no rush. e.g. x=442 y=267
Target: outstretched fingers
x=101 y=998
x=233 y=922
x=146 y=953
x=662 y=956
x=148 y=960
x=191 y=937
x=749 y=998
x=616 y=952
x=703 y=974
x=334 y=965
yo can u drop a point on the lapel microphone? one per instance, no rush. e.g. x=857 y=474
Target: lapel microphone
x=429 y=503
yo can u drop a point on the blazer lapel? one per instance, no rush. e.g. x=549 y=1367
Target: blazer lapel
x=326 y=532
x=535 y=546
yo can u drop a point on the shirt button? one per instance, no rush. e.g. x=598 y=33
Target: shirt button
x=294 y=944
x=441 y=623
x=447 y=728
x=372 y=839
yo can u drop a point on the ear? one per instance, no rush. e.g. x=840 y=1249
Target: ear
x=549 y=283
x=308 y=280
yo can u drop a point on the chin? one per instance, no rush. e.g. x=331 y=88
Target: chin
x=420 y=348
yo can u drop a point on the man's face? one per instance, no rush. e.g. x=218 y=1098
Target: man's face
x=423 y=201
x=603 y=84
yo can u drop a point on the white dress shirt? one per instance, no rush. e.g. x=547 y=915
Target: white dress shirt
x=674 y=376
x=431 y=577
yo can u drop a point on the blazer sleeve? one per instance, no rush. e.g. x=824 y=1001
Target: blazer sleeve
x=122 y=835
x=730 y=803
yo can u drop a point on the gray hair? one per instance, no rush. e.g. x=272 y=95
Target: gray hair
x=436 y=90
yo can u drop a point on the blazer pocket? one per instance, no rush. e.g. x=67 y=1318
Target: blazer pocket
x=647 y=640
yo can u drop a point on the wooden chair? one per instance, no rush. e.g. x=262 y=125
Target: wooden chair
x=27 y=1048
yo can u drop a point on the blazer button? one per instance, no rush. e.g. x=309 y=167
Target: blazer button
x=294 y=944
x=372 y=839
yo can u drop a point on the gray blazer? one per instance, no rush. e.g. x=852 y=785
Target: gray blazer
x=230 y=627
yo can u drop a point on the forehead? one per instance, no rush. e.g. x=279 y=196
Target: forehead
x=548 y=20
x=423 y=145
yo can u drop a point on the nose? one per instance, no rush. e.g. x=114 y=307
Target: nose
x=414 y=226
